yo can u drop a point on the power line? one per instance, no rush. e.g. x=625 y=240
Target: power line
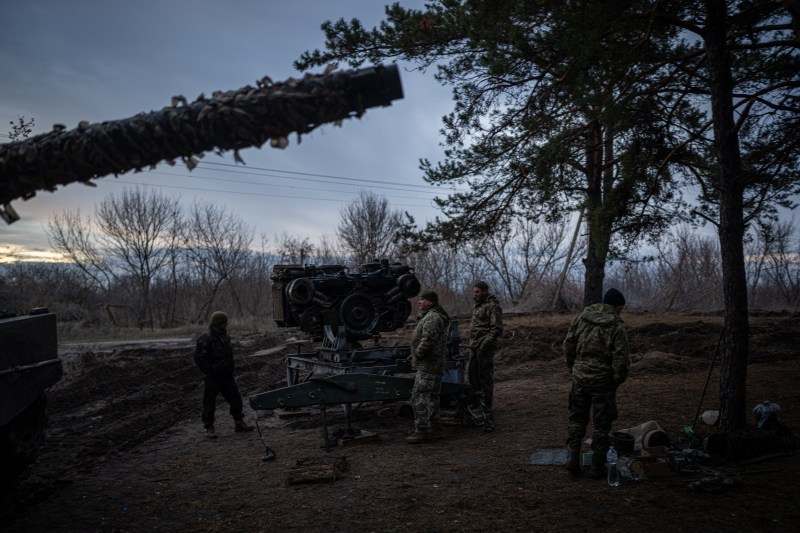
x=282 y=186
x=194 y=176
x=245 y=193
x=345 y=178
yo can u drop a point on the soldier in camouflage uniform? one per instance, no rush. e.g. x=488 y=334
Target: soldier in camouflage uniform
x=596 y=352
x=428 y=351
x=485 y=328
x=214 y=357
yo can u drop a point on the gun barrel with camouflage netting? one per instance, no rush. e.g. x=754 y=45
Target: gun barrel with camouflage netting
x=231 y=120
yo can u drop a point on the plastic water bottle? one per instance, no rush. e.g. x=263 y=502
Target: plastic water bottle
x=613 y=475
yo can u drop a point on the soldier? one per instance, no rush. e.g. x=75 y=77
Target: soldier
x=214 y=357
x=485 y=328
x=428 y=351
x=596 y=352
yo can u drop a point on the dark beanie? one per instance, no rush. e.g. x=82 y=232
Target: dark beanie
x=429 y=295
x=481 y=285
x=218 y=318
x=614 y=297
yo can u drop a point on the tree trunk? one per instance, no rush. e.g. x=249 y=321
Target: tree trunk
x=563 y=276
x=596 y=249
x=731 y=222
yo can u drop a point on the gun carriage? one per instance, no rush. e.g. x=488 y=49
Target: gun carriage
x=346 y=313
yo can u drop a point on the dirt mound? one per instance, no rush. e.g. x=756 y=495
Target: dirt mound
x=663 y=362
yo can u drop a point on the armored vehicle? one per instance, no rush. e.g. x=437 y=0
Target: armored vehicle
x=30 y=365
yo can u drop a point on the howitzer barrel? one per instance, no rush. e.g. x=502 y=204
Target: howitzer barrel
x=231 y=120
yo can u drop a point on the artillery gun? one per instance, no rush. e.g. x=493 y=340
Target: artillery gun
x=232 y=120
x=341 y=310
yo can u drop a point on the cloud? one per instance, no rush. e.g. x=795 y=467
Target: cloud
x=97 y=61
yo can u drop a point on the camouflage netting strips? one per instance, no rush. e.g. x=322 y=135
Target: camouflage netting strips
x=231 y=120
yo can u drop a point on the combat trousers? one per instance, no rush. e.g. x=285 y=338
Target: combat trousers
x=480 y=372
x=425 y=400
x=601 y=404
x=226 y=386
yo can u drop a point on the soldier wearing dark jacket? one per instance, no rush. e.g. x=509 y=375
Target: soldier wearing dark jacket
x=428 y=353
x=214 y=357
x=596 y=353
x=485 y=328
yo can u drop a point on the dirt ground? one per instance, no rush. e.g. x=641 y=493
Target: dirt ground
x=126 y=451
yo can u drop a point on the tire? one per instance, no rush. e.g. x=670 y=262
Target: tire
x=359 y=313
x=409 y=285
x=20 y=441
x=301 y=291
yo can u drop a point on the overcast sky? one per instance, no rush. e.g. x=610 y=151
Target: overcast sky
x=67 y=61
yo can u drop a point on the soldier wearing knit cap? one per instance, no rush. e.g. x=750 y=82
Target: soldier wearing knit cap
x=214 y=357
x=596 y=354
x=428 y=352
x=614 y=298
x=430 y=295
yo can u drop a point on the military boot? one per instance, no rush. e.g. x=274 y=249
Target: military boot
x=573 y=462
x=241 y=425
x=210 y=433
x=419 y=437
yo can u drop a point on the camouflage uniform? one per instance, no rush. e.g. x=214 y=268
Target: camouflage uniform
x=428 y=350
x=596 y=352
x=214 y=357
x=486 y=327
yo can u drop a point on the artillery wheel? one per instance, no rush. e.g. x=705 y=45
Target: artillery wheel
x=301 y=291
x=409 y=285
x=359 y=313
x=20 y=440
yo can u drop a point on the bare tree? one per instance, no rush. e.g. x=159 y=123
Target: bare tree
x=293 y=250
x=219 y=243
x=140 y=229
x=784 y=263
x=756 y=250
x=683 y=274
x=255 y=276
x=368 y=228
x=523 y=255
x=441 y=267
x=328 y=252
x=56 y=286
x=71 y=235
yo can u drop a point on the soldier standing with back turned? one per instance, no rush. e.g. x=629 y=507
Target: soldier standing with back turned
x=596 y=353
x=485 y=328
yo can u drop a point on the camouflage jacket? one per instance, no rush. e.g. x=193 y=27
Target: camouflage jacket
x=596 y=347
x=429 y=342
x=487 y=323
x=214 y=353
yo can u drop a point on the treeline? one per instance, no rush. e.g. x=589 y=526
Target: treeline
x=145 y=261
